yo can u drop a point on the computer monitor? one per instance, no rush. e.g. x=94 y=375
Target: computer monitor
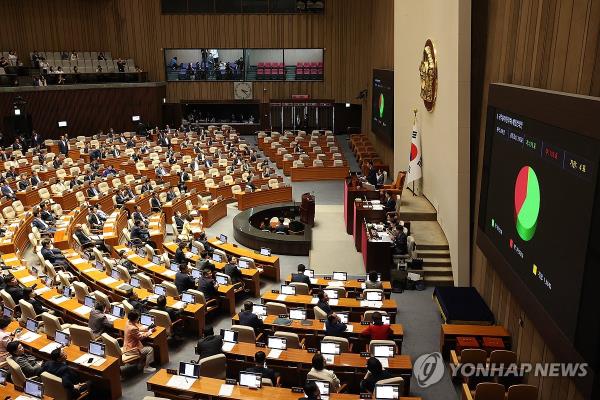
x=243 y=264
x=252 y=380
x=323 y=387
x=383 y=350
x=97 y=348
x=217 y=257
x=3 y=376
x=374 y=296
x=298 y=314
x=264 y=251
x=156 y=259
x=174 y=266
x=340 y=276
x=189 y=370
x=33 y=389
x=147 y=319
x=62 y=337
x=310 y=273
x=223 y=238
x=387 y=392
x=89 y=301
x=222 y=279
x=196 y=273
x=330 y=348
x=195 y=250
x=229 y=336
x=160 y=290
x=385 y=319
x=49 y=281
x=343 y=317
x=32 y=325
x=99 y=265
x=8 y=312
x=115 y=274
x=188 y=298
x=288 y=290
x=332 y=294
x=141 y=252
x=135 y=282
x=135 y=118
x=118 y=311
x=276 y=342
x=259 y=309
x=67 y=292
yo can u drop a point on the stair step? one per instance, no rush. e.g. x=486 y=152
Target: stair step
x=439 y=280
x=433 y=253
x=436 y=262
x=432 y=246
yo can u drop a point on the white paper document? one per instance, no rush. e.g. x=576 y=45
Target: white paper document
x=59 y=299
x=281 y=297
x=50 y=347
x=41 y=290
x=274 y=353
x=384 y=361
x=109 y=280
x=228 y=346
x=333 y=302
x=77 y=261
x=314 y=300
x=28 y=337
x=28 y=279
x=181 y=382
x=82 y=310
x=178 y=304
x=225 y=390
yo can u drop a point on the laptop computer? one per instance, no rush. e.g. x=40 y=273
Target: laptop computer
x=275 y=342
x=189 y=370
x=188 y=298
x=387 y=392
x=34 y=389
x=62 y=338
x=340 y=276
x=260 y=310
x=298 y=314
x=288 y=290
x=383 y=350
x=252 y=380
x=147 y=320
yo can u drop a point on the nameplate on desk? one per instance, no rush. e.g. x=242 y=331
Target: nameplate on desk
x=327 y=278
x=365 y=323
x=322 y=320
x=361 y=280
x=274 y=291
x=260 y=344
x=230 y=381
x=366 y=396
x=365 y=354
x=312 y=350
x=283 y=315
x=172 y=371
x=298 y=390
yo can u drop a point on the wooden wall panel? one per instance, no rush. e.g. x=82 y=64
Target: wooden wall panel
x=549 y=44
x=87 y=110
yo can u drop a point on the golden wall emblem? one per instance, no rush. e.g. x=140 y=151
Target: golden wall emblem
x=429 y=76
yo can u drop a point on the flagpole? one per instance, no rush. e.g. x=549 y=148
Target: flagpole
x=414 y=124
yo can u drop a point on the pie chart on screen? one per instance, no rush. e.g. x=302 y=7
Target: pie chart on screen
x=381 y=105
x=527 y=203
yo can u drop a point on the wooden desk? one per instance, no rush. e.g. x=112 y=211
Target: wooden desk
x=315 y=332
x=449 y=332
x=209 y=388
x=108 y=374
x=65 y=227
x=377 y=254
x=16 y=238
x=328 y=172
x=362 y=212
x=260 y=197
x=8 y=391
x=161 y=273
x=354 y=306
x=350 y=367
x=251 y=277
x=351 y=285
x=270 y=264
x=67 y=199
x=213 y=213
x=178 y=204
x=112 y=228
x=31 y=196
x=351 y=192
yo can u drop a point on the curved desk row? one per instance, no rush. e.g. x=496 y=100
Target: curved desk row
x=270 y=264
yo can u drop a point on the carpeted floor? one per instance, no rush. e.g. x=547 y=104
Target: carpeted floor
x=416 y=310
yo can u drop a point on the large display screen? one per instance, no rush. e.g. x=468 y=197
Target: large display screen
x=538 y=203
x=383 y=104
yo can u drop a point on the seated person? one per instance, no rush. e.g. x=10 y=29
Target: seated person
x=51 y=254
x=375 y=374
x=319 y=372
x=137 y=304
x=260 y=367
x=233 y=271
x=180 y=254
x=311 y=391
x=372 y=282
x=140 y=232
x=248 y=318
x=210 y=344
x=389 y=204
x=98 y=322
x=30 y=365
x=29 y=296
x=300 y=276
x=7 y=190
x=12 y=287
x=334 y=326
x=203 y=239
x=377 y=330
x=183 y=279
x=174 y=315
x=139 y=215
x=23 y=184
x=57 y=365
x=40 y=224
x=208 y=286
x=178 y=220
x=323 y=302
x=155 y=205
x=86 y=241
x=135 y=333
x=205 y=263
x=400 y=244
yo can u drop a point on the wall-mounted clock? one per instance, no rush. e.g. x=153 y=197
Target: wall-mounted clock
x=242 y=90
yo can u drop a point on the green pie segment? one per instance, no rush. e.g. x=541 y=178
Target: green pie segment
x=527 y=203
x=381 y=105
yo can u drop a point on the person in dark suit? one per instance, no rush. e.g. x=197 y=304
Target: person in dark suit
x=55 y=256
x=233 y=271
x=13 y=289
x=180 y=254
x=35 y=179
x=56 y=162
x=380 y=178
x=30 y=366
x=139 y=215
x=183 y=280
x=17 y=145
x=7 y=191
x=183 y=178
x=248 y=318
x=137 y=304
x=210 y=344
x=261 y=368
x=146 y=186
x=311 y=391
x=39 y=223
x=208 y=163
x=155 y=205
x=139 y=231
x=37 y=305
x=323 y=302
x=98 y=322
x=63 y=145
x=389 y=204
x=376 y=373
x=23 y=184
x=207 y=285
x=400 y=245
x=171 y=195
x=11 y=173
x=121 y=198
x=300 y=277
x=85 y=240
x=174 y=315
x=334 y=326
x=372 y=174
x=46 y=214
x=178 y=220
x=57 y=365
x=92 y=191
x=94 y=220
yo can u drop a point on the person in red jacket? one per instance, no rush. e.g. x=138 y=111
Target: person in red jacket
x=377 y=330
